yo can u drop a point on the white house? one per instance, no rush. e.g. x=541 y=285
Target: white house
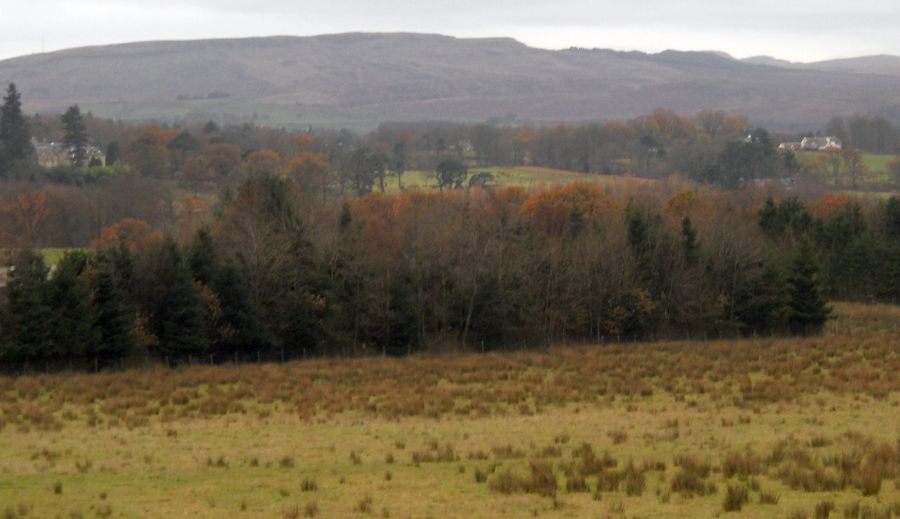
x=820 y=143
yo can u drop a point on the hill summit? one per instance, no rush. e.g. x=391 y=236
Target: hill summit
x=360 y=80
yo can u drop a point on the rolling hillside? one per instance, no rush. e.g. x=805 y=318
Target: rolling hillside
x=360 y=80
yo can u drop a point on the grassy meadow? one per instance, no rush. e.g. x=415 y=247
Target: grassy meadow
x=523 y=176
x=768 y=427
x=875 y=164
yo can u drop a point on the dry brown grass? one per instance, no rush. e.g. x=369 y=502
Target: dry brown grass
x=764 y=426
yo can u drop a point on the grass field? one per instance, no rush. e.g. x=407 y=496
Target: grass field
x=524 y=176
x=876 y=166
x=763 y=427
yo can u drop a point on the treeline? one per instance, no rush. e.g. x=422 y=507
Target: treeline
x=278 y=274
x=872 y=134
x=711 y=147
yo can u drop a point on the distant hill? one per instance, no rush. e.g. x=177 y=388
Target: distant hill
x=360 y=80
x=885 y=65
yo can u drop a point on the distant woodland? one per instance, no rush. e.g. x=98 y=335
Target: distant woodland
x=214 y=244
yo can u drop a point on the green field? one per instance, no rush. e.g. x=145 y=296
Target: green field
x=876 y=166
x=632 y=430
x=524 y=176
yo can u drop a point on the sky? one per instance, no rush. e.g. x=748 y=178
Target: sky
x=798 y=30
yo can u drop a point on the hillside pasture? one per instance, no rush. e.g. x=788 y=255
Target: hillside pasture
x=875 y=164
x=523 y=176
x=766 y=427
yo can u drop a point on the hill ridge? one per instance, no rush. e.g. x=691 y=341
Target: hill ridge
x=362 y=79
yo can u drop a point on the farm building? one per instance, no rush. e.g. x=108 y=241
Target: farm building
x=820 y=143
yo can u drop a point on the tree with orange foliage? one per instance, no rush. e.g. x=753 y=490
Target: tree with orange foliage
x=570 y=209
x=148 y=152
x=192 y=213
x=223 y=159
x=263 y=162
x=25 y=219
x=130 y=233
x=309 y=172
x=196 y=171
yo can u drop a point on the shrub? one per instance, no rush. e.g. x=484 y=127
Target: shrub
x=690 y=480
x=541 y=481
x=634 y=480
x=768 y=498
x=364 y=506
x=576 y=483
x=740 y=464
x=824 y=509
x=851 y=511
x=355 y=458
x=869 y=479
x=735 y=498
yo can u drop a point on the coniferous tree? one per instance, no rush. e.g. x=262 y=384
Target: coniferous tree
x=114 y=318
x=76 y=136
x=238 y=329
x=175 y=305
x=762 y=301
x=28 y=316
x=201 y=257
x=72 y=331
x=300 y=313
x=113 y=153
x=403 y=336
x=689 y=243
x=241 y=332
x=808 y=308
x=16 y=149
x=892 y=218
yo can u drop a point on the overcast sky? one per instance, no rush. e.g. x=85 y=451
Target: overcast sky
x=800 y=30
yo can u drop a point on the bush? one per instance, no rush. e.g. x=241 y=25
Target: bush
x=735 y=498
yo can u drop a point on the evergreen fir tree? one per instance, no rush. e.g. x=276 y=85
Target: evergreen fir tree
x=403 y=338
x=113 y=153
x=76 y=136
x=241 y=332
x=72 y=331
x=768 y=217
x=114 y=320
x=16 y=149
x=202 y=257
x=28 y=315
x=892 y=218
x=689 y=241
x=299 y=311
x=808 y=309
x=177 y=308
x=762 y=301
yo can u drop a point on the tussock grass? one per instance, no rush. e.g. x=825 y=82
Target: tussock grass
x=677 y=429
